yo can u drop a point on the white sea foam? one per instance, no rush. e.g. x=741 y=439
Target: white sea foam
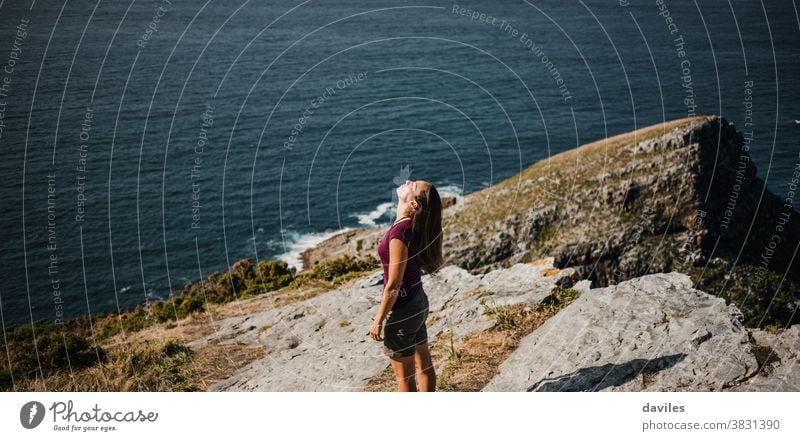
x=369 y=219
x=295 y=243
x=450 y=190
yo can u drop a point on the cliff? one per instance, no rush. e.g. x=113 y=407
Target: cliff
x=680 y=196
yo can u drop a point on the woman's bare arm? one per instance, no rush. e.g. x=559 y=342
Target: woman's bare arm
x=398 y=255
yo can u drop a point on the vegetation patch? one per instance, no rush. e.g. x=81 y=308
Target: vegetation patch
x=151 y=367
x=765 y=357
x=339 y=270
x=505 y=317
x=57 y=348
x=145 y=367
x=558 y=299
x=766 y=300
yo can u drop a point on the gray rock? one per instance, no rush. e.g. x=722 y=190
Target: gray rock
x=782 y=370
x=321 y=344
x=652 y=333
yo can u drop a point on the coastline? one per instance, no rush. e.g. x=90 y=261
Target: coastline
x=562 y=227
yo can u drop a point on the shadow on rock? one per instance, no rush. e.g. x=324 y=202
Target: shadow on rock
x=608 y=375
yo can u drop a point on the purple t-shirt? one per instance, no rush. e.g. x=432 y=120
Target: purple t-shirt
x=411 y=277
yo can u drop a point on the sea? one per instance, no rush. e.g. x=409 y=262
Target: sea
x=148 y=143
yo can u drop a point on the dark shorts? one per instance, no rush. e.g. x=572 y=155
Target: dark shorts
x=405 y=327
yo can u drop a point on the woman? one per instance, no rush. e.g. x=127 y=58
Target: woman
x=412 y=243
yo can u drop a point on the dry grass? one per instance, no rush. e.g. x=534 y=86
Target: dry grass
x=556 y=177
x=550 y=272
x=607 y=146
x=383 y=382
x=151 y=366
x=216 y=362
x=190 y=328
x=470 y=364
x=774 y=329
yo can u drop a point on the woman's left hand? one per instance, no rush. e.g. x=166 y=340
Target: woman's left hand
x=375 y=330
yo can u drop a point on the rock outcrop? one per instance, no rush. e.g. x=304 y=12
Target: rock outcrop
x=321 y=343
x=779 y=357
x=651 y=333
x=668 y=197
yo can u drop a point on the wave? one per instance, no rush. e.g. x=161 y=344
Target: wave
x=294 y=243
x=450 y=190
x=369 y=219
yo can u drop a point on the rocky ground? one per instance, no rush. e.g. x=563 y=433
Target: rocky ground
x=653 y=333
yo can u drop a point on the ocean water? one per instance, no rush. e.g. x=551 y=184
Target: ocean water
x=146 y=144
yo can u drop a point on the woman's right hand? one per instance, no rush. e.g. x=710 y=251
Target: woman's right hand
x=375 y=330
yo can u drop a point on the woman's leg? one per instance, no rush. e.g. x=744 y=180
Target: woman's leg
x=404 y=330
x=404 y=373
x=426 y=375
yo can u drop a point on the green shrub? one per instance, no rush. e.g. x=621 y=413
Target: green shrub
x=57 y=347
x=559 y=298
x=342 y=266
x=165 y=368
x=187 y=305
x=765 y=298
x=174 y=347
x=503 y=315
x=269 y=269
